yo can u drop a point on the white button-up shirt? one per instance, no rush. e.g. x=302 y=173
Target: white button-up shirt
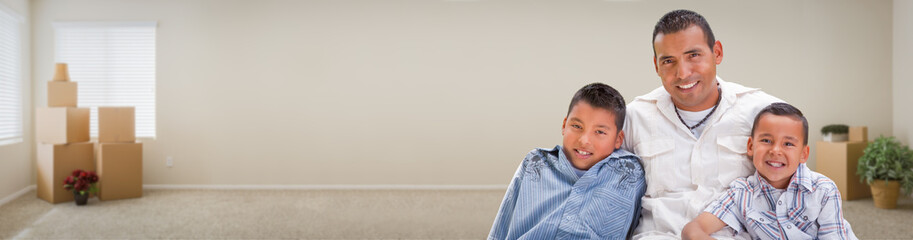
x=685 y=173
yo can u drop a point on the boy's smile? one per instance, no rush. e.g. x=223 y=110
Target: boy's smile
x=777 y=148
x=590 y=135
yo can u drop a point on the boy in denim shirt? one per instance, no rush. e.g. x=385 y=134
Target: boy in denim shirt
x=783 y=199
x=586 y=188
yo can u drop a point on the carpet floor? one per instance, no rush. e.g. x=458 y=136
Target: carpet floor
x=315 y=214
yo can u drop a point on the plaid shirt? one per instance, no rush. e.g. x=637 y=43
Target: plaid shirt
x=808 y=209
x=547 y=200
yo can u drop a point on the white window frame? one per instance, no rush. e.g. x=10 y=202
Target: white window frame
x=11 y=81
x=111 y=68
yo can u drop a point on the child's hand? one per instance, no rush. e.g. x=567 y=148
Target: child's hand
x=702 y=226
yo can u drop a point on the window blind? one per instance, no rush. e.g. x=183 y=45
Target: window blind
x=10 y=76
x=114 y=64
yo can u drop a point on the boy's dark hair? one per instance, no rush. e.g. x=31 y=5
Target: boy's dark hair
x=783 y=109
x=679 y=20
x=601 y=96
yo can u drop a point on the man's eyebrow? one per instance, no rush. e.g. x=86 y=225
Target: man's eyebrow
x=693 y=50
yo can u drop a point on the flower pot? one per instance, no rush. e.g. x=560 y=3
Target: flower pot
x=885 y=193
x=82 y=199
x=836 y=137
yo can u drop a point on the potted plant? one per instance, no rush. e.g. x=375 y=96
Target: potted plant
x=835 y=132
x=82 y=183
x=886 y=166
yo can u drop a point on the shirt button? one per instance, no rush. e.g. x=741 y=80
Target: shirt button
x=789 y=227
x=569 y=217
x=780 y=202
x=805 y=218
x=577 y=190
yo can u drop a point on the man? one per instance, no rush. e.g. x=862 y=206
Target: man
x=691 y=133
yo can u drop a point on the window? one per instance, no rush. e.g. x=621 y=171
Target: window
x=114 y=64
x=10 y=76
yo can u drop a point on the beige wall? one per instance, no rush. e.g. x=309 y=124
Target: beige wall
x=448 y=92
x=903 y=74
x=15 y=159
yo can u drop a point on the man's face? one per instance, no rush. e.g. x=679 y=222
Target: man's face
x=590 y=135
x=687 y=67
x=777 y=148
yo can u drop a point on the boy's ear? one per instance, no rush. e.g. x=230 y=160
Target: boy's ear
x=563 y=123
x=804 y=156
x=619 y=139
x=749 y=152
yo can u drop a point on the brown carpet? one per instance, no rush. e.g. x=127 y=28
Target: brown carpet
x=315 y=214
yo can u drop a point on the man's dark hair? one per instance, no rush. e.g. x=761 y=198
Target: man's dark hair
x=679 y=20
x=783 y=109
x=601 y=96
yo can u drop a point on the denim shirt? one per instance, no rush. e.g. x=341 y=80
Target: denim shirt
x=547 y=200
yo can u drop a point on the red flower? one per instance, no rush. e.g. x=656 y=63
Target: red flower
x=81 y=181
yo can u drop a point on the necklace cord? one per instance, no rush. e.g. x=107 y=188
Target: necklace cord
x=720 y=97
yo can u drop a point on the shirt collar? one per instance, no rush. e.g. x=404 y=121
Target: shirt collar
x=800 y=180
x=558 y=158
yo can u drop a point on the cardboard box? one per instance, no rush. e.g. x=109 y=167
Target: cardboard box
x=116 y=124
x=120 y=170
x=56 y=162
x=61 y=73
x=58 y=125
x=62 y=94
x=859 y=134
x=838 y=161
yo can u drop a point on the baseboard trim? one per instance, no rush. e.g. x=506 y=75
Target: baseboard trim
x=16 y=195
x=326 y=187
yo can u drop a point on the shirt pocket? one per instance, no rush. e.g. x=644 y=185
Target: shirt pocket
x=650 y=152
x=806 y=218
x=733 y=159
x=611 y=214
x=761 y=224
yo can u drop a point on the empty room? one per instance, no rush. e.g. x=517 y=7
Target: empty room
x=456 y=119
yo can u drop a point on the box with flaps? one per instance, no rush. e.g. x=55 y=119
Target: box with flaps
x=859 y=134
x=56 y=162
x=61 y=73
x=62 y=94
x=57 y=125
x=120 y=170
x=838 y=161
x=116 y=124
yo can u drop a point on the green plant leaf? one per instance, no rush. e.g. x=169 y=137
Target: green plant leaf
x=887 y=159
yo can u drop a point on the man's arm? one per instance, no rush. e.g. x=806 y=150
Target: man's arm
x=702 y=226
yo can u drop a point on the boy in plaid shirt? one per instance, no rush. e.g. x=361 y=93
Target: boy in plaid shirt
x=783 y=199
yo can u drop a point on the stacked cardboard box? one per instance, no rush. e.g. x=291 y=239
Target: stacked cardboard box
x=838 y=161
x=120 y=156
x=62 y=133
